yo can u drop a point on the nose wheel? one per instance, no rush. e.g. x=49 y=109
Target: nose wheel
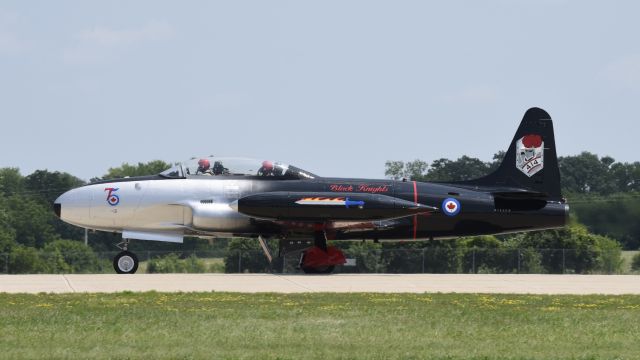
x=125 y=262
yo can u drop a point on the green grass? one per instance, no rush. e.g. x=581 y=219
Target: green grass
x=212 y=265
x=318 y=326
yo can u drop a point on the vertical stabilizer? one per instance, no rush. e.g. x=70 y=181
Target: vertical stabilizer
x=531 y=161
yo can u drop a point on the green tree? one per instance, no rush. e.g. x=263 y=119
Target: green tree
x=394 y=169
x=171 y=263
x=497 y=160
x=49 y=185
x=7 y=233
x=464 y=168
x=245 y=255
x=141 y=169
x=586 y=173
x=11 y=182
x=368 y=257
x=24 y=260
x=571 y=249
x=46 y=186
x=635 y=262
x=68 y=256
x=416 y=256
x=615 y=215
x=626 y=176
x=31 y=221
x=488 y=254
x=7 y=239
x=610 y=255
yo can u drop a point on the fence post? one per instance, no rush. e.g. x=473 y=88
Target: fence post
x=6 y=263
x=473 y=260
x=239 y=262
x=519 y=255
x=563 y=264
x=423 y=250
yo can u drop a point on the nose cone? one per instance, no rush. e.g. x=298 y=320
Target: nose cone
x=73 y=206
x=65 y=199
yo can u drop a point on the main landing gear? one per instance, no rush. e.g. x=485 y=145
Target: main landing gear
x=320 y=258
x=125 y=262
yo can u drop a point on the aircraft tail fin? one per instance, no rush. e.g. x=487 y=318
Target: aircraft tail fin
x=531 y=161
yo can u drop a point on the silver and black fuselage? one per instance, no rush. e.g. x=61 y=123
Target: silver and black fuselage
x=242 y=197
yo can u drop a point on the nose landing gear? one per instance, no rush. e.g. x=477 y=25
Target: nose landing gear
x=125 y=262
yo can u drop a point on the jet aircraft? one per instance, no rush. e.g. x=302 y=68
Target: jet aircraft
x=223 y=197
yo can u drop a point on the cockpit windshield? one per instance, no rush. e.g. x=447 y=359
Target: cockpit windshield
x=218 y=166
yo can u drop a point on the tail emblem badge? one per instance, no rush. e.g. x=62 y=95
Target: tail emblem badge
x=530 y=154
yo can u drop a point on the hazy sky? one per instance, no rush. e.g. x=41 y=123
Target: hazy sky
x=334 y=87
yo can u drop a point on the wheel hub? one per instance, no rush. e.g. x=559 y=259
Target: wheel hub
x=125 y=263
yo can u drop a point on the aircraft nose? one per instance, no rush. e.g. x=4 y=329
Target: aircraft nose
x=69 y=201
x=57 y=204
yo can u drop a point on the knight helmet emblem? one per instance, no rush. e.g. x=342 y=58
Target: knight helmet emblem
x=530 y=154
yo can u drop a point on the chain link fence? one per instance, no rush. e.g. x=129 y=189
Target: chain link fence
x=427 y=260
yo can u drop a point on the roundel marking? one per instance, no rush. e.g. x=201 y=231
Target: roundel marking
x=450 y=207
x=114 y=200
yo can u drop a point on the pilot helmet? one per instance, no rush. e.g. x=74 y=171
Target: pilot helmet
x=203 y=164
x=267 y=165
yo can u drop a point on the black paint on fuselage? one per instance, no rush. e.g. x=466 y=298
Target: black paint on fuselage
x=478 y=212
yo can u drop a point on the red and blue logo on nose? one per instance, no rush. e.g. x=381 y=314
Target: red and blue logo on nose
x=450 y=207
x=112 y=199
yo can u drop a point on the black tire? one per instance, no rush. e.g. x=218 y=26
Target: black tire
x=318 y=270
x=122 y=263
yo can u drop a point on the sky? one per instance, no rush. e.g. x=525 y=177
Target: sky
x=334 y=87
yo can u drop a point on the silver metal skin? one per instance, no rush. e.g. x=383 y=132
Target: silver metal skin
x=160 y=210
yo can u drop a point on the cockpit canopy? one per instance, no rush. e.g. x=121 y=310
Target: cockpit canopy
x=221 y=166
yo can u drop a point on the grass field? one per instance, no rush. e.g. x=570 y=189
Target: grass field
x=318 y=326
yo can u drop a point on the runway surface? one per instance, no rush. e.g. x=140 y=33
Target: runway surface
x=387 y=283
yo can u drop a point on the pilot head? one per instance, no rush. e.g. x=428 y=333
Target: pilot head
x=203 y=165
x=267 y=165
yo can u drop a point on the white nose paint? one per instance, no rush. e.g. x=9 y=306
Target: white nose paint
x=114 y=204
x=75 y=207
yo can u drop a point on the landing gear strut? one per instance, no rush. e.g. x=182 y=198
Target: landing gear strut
x=125 y=262
x=321 y=259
